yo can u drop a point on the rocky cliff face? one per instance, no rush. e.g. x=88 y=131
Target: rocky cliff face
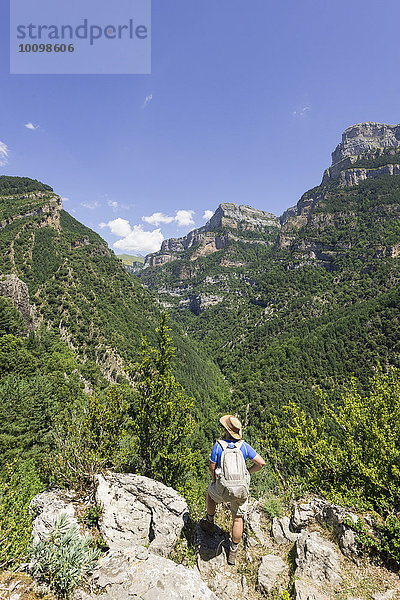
x=209 y=238
x=12 y=287
x=363 y=139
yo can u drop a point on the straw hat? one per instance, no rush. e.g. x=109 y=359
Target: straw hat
x=232 y=425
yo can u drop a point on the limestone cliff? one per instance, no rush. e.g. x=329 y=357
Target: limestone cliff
x=364 y=139
x=229 y=221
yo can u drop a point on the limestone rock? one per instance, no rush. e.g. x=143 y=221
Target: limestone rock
x=385 y=595
x=12 y=287
x=138 y=511
x=212 y=552
x=269 y=572
x=363 y=137
x=330 y=514
x=349 y=177
x=254 y=523
x=137 y=573
x=337 y=518
x=317 y=559
x=47 y=508
x=305 y=591
x=281 y=531
x=303 y=514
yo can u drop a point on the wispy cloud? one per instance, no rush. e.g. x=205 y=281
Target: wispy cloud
x=64 y=199
x=31 y=126
x=90 y=205
x=207 y=214
x=3 y=154
x=147 y=100
x=183 y=218
x=113 y=204
x=301 y=112
x=157 y=218
x=134 y=239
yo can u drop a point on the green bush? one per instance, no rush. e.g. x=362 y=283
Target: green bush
x=352 y=451
x=18 y=485
x=89 y=441
x=161 y=411
x=62 y=558
x=272 y=506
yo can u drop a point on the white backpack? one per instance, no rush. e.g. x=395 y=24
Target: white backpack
x=234 y=480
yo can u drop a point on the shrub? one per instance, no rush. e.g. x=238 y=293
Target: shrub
x=18 y=485
x=272 y=506
x=162 y=420
x=62 y=558
x=352 y=451
x=89 y=441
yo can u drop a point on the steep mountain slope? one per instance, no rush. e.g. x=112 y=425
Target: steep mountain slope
x=307 y=299
x=80 y=288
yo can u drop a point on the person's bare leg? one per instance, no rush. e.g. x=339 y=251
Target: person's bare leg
x=237 y=529
x=211 y=505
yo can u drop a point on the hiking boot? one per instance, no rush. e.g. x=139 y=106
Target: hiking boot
x=232 y=556
x=207 y=526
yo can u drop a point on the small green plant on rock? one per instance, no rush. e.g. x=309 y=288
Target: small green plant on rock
x=92 y=515
x=272 y=506
x=63 y=557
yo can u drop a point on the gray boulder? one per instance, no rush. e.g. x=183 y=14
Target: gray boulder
x=281 y=531
x=270 y=572
x=138 y=511
x=47 y=507
x=326 y=513
x=317 y=559
x=135 y=573
x=305 y=591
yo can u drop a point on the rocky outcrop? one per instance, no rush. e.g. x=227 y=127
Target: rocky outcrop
x=350 y=177
x=244 y=217
x=208 y=239
x=49 y=212
x=136 y=572
x=138 y=511
x=47 y=507
x=271 y=573
x=336 y=517
x=14 y=288
x=363 y=139
x=317 y=559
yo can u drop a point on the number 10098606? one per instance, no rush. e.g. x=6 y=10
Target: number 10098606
x=46 y=48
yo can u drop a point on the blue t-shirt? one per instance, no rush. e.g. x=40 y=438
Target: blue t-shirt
x=247 y=451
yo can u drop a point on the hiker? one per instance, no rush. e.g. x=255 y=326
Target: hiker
x=230 y=479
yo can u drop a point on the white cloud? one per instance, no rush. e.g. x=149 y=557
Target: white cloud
x=141 y=241
x=147 y=100
x=31 y=126
x=207 y=214
x=301 y=112
x=134 y=238
x=65 y=199
x=113 y=204
x=3 y=154
x=184 y=217
x=90 y=205
x=119 y=227
x=157 y=218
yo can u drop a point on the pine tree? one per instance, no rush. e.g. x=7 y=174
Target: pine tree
x=162 y=413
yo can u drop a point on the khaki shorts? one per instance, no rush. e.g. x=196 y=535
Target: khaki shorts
x=238 y=510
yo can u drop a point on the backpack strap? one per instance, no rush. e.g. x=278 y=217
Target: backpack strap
x=224 y=444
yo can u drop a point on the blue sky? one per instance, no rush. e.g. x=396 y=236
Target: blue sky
x=245 y=103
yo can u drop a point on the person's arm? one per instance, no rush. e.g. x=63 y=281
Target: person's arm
x=258 y=463
x=212 y=470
